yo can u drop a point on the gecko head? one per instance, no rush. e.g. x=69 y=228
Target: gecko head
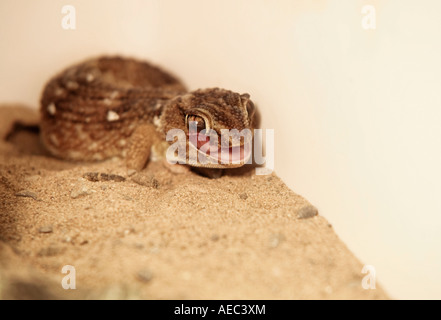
x=218 y=126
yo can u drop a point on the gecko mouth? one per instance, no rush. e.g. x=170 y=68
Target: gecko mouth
x=215 y=156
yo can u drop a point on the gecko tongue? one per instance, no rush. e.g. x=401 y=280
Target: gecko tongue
x=202 y=139
x=232 y=154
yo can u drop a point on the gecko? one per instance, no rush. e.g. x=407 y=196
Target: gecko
x=114 y=106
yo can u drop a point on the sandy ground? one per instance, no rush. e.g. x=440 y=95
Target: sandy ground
x=158 y=234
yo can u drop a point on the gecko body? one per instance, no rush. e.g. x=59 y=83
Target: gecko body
x=114 y=106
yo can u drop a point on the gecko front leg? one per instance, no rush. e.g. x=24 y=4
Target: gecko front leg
x=140 y=145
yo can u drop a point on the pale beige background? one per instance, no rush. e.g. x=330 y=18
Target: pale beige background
x=357 y=113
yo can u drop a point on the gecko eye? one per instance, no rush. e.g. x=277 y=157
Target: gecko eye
x=200 y=121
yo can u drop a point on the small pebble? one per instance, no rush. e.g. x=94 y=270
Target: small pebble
x=97 y=176
x=131 y=172
x=144 y=275
x=146 y=180
x=243 y=196
x=45 y=229
x=80 y=191
x=307 y=212
x=27 y=194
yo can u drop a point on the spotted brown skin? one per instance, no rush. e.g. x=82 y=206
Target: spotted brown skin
x=114 y=106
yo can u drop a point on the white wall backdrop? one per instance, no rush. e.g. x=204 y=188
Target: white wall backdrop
x=356 y=112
